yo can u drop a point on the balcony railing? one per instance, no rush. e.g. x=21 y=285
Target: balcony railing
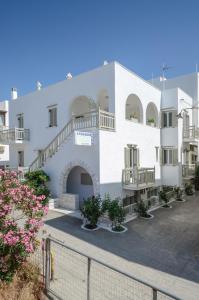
x=138 y=178
x=191 y=133
x=101 y=119
x=14 y=135
x=188 y=171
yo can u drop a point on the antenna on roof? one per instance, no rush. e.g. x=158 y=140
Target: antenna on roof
x=196 y=68
x=165 y=68
x=152 y=78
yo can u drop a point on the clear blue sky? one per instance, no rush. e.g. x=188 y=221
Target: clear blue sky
x=45 y=39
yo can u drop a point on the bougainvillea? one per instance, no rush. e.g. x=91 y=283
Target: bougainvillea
x=21 y=213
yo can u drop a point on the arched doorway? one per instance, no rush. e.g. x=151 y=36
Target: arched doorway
x=79 y=182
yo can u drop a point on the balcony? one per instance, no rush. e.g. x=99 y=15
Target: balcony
x=99 y=119
x=14 y=135
x=138 y=178
x=191 y=134
x=188 y=171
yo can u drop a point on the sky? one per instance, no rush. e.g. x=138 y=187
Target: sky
x=45 y=39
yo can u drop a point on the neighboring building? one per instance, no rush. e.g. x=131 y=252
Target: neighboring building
x=105 y=131
x=4 y=149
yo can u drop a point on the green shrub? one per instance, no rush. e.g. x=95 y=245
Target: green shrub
x=189 y=189
x=163 y=197
x=142 y=209
x=116 y=214
x=92 y=210
x=178 y=193
x=38 y=181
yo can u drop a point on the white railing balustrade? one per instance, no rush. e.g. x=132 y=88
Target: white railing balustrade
x=94 y=119
x=138 y=177
x=14 y=135
x=191 y=132
x=188 y=170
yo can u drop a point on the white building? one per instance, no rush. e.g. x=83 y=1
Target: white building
x=4 y=149
x=105 y=131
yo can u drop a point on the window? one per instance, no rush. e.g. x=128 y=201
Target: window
x=52 y=116
x=21 y=158
x=86 y=179
x=169 y=118
x=131 y=156
x=20 y=121
x=2 y=118
x=169 y=156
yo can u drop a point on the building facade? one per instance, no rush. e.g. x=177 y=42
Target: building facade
x=105 y=131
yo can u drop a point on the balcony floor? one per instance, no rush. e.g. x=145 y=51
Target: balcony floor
x=136 y=187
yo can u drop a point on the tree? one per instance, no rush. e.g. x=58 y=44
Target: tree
x=91 y=210
x=116 y=214
x=21 y=213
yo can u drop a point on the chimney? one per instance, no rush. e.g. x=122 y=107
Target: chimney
x=105 y=62
x=69 y=76
x=38 y=85
x=13 y=93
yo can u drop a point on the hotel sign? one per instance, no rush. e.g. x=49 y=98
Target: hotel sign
x=83 y=138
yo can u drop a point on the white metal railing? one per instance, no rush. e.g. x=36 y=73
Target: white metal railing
x=138 y=177
x=188 y=170
x=95 y=119
x=191 y=132
x=11 y=135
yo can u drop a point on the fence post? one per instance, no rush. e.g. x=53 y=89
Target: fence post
x=47 y=267
x=88 y=278
x=155 y=294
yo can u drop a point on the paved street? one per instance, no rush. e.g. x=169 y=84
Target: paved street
x=168 y=243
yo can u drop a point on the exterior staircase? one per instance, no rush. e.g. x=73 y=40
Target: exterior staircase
x=95 y=119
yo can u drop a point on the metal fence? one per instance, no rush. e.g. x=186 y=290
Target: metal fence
x=72 y=275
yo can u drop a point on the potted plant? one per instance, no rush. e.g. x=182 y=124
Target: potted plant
x=116 y=214
x=142 y=210
x=91 y=211
x=151 y=122
x=178 y=194
x=134 y=118
x=163 y=197
x=189 y=189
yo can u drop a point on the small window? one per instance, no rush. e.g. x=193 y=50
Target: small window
x=86 y=179
x=170 y=156
x=20 y=121
x=21 y=158
x=168 y=118
x=52 y=116
x=2 y=118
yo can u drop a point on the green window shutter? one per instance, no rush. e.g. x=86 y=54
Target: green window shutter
x=174 y=118
x=127 y=157
x=175 y=157
x=161 y=156
x=138 y=157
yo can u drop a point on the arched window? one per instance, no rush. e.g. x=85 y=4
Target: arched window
x=152 y=115
x=134 y=110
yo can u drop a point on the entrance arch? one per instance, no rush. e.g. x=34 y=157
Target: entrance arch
x=69 y=173
x=79 y=182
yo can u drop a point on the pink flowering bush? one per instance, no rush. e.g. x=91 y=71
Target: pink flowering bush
x=21 y=213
